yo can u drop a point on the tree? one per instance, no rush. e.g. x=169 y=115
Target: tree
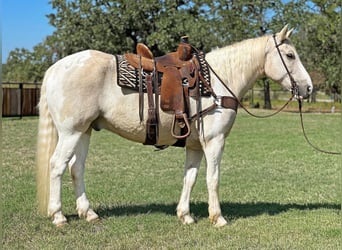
x=117 y=26
x=18 y=67
x=248 y=19
x=29 y=66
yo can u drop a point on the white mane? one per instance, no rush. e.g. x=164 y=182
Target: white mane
x=239 y=64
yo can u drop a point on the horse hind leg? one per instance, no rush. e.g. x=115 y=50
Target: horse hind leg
x=192 y=165
x=59 y=161
x=76 y=168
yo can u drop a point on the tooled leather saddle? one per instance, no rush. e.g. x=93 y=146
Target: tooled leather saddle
x=173 y=78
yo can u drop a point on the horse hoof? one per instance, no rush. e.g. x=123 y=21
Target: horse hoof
x=221 y=222
x=187 y=220
x=59 y=220
x=92 y=216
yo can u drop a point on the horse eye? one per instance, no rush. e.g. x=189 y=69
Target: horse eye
x=290 y=56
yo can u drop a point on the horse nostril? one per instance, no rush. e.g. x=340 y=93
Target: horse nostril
x=309 y=89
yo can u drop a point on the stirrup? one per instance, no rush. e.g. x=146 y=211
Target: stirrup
x=186 y=125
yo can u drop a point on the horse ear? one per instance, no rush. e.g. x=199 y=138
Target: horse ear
x=289 y=33
x=282 y=35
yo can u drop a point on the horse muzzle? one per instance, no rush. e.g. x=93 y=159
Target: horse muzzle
x=302 y=92
x=307 y=92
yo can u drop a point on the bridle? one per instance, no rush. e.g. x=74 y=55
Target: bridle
x=294 y=85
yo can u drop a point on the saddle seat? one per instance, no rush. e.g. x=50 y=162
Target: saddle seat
x=177 y=68
x=144 y=58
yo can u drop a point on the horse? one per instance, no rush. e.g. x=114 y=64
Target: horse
x=80 y=94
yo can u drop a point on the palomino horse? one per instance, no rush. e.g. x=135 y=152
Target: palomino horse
x=80 y=93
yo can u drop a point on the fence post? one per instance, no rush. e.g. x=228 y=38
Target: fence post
x=21 y=86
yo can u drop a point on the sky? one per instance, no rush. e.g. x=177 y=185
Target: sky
x=24 y=24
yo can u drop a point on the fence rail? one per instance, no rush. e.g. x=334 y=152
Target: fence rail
x=20 y=99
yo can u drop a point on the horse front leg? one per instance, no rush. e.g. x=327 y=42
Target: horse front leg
x=213 y=153
x=192 y=164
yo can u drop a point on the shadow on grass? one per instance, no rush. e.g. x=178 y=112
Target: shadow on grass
x=232 y=211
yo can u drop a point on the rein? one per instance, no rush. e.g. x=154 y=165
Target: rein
x=306 y=137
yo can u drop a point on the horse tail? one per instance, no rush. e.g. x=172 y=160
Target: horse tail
x=47 y=140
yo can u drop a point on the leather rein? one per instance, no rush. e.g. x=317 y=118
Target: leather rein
x=294 y=91
x=295 y=94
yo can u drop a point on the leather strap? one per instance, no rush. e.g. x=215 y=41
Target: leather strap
x=229 y=102
x=141 y=93
x=155 y=81
x=151 y=123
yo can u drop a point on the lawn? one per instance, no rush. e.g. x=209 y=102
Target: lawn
x=276 y=191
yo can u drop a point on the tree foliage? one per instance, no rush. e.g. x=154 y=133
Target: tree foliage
x=117 y=26
x=319 y=38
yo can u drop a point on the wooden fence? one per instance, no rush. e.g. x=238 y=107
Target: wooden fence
x=20 y=99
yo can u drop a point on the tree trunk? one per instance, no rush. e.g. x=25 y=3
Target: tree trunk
x=267 y=96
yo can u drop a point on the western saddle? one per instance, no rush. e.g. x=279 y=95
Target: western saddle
x=174 y=77
x=179 y=72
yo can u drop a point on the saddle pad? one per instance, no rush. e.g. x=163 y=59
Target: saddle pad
x=128 y=76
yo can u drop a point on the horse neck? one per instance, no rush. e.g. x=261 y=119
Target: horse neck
x=239 y=65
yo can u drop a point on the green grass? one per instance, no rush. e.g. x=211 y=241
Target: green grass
x=276 y=192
